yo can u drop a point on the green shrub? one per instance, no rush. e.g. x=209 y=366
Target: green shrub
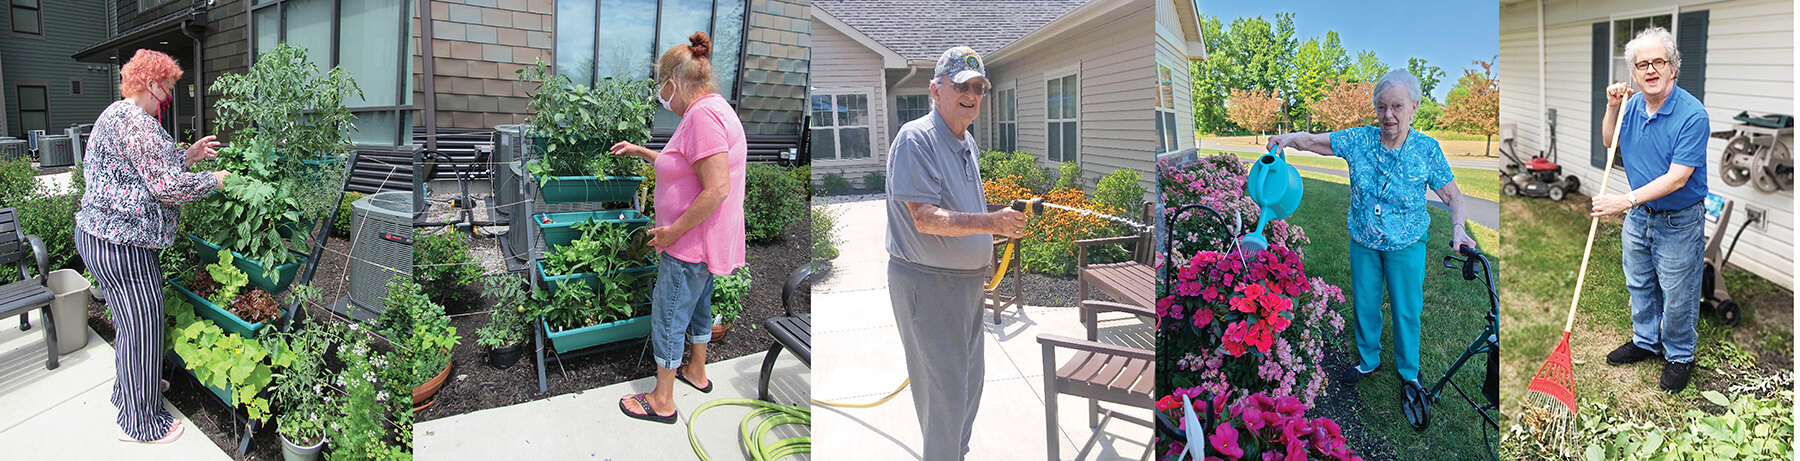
x=875 y=181
x=341 y=227
x=50 y=217
x=825 y=238
x=1068 y=175
x=441 y=262
x=773 y=199
x=803 y=174
x=17 y=180
x=1120 y=191
x=1019 y=167
x=835 y=184
x=728 y=295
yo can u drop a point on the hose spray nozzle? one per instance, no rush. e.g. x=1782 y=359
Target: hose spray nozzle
x=1034 y=205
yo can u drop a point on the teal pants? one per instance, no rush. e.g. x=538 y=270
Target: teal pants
x=1401 y=273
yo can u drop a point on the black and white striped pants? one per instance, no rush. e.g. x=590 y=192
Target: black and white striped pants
x=133 y=285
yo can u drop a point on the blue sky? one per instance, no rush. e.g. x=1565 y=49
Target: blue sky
x=1448 y=34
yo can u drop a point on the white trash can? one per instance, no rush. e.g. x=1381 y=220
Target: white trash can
x=70 y=309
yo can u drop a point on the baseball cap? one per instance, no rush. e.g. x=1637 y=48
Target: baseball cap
x=960 y=64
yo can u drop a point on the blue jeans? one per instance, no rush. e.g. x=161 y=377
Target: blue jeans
x=1663 y=257
x=1401 y=273
x=681 y=302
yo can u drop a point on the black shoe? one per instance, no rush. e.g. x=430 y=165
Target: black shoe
x=1351 y=376
x=1675 y=376
x=1627 y=354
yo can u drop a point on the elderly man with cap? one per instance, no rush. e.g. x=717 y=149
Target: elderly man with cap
x=940 y=242
x=1663 y=149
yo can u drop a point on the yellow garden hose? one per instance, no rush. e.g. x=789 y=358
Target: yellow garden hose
x=753 y=436
x=1005 y=259
x=873 y=404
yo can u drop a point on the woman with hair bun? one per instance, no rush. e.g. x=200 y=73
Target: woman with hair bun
x=137 y=180
x=699 y=230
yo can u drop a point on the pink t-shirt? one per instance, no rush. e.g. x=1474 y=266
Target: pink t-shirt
x=710 y=127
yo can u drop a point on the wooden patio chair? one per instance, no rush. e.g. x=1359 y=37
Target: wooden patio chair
x=1098 y=371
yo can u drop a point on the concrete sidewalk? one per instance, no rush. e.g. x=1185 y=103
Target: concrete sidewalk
x=862 y=361
x=66 y=413
x=589 y=425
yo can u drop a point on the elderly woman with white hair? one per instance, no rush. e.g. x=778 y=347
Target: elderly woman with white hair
x=1662 y=145
x=1391 y=167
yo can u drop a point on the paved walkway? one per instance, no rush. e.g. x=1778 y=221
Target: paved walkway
x=589 y=425
x=66 y=413
x=862 y=361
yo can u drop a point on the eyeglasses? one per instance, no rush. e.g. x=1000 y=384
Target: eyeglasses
x=964 y=87
x=1662 y=65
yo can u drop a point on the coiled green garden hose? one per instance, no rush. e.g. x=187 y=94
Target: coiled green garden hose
x=753 y=435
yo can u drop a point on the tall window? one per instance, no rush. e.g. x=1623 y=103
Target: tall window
x=1626 y=29
x=909 y=107
x=628 y=35
x=1062 y=117
x=1006 y=125
x=371 y=42
x=34 y=108
x=146 y=5
x=1166 y=134
x=27 y=17
x=840 y=126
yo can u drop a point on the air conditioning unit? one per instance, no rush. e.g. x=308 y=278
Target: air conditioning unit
x=13 y=149
x=508 y=148
x=55 y=151
x=380 y=249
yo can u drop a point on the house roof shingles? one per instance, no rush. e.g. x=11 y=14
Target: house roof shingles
x=923 y=29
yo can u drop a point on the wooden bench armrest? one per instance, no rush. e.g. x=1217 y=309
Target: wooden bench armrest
x=1108 y=306
x=1107 y=240
x=1052 y=340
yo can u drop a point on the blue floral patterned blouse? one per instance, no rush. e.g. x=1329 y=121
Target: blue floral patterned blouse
x=136 y=180
x=1388 y=187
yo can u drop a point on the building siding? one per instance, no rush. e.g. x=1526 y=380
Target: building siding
x=777 y=61
x=854 y=66
x=1749 y=68
x=477 y=48
x=68 y=27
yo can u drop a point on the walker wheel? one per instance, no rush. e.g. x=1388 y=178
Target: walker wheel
x=1415 y=406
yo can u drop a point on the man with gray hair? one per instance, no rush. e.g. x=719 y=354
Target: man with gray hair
x=1662 y=143
x=940 y=242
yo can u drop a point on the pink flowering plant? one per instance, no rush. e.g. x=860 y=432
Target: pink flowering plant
x=1215 y=181
x=1260 y=427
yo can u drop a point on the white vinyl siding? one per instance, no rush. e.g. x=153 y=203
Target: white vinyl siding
x=854 y=69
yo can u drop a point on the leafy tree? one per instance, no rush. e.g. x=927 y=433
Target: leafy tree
x=1428 y=75
x=1366 y=68
x=1255 y=110
x=1315 y=64
x=1427 y=116
x=1345 y=104
x=1212 y=78
x=1473 y=106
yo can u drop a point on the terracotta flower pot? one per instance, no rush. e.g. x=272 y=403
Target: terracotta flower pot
x=424 y=391
x=719 y=331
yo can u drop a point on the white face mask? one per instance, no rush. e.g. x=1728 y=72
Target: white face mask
x=665 y=102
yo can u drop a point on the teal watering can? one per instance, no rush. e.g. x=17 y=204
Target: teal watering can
x=1276 y=187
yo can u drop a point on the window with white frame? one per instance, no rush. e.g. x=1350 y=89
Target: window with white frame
x=1006 y=124
x=840 y=126
x=909 y=107
x=370 y=39
x=1062 y=116
x=1167 y=135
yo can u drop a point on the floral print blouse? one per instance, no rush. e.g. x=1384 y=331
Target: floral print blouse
x=136 y=180
x=1388 y=186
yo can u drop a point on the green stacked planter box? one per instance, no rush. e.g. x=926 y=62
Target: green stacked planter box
x=209 y=254
x=220 y=315
x=560 y=228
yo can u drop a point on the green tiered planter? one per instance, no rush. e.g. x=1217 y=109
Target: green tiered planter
x=222 y=316
x=559 y=228
x=554 y=281
x=284 y=274
x=578 y=189
x=590 y=336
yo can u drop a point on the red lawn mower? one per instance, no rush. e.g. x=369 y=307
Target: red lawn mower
x=1538 y=177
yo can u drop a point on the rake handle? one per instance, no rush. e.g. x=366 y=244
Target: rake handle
x=1594 y=223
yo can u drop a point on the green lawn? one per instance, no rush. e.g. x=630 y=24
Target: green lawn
x=1442 y=135
x=1543 y=250
x=1473 y=182
x=1454 y=314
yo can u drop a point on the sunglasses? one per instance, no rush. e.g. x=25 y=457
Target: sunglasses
x=965 y=87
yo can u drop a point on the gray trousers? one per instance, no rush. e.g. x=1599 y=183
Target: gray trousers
x=939 y=315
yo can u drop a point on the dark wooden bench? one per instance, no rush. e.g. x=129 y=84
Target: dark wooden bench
x=1098 y=372
x=1131 y=282
x=791 y=331
x=29 y=292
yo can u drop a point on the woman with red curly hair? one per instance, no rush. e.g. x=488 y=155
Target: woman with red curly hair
x=699 y=221
x=137 y=179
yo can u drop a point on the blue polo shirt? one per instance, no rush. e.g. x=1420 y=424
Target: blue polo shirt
x=929 y=164
x=1675 y=135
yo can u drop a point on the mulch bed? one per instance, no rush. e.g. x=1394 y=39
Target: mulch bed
x=204 y=411
x=475 y=386
x=1343 y=404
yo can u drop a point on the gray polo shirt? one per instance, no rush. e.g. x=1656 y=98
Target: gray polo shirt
x=928 y=164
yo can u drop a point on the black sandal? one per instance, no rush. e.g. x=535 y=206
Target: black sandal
x=649 y=414
x=703 y=390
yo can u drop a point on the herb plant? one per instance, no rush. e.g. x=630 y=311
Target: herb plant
x=506 y=324
x=419 y=327
x=604 y=252
x=372 y=421
x=300 y=388
x=226 y=280
x=442 y=264
x=728 y=294
x=578 y=123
